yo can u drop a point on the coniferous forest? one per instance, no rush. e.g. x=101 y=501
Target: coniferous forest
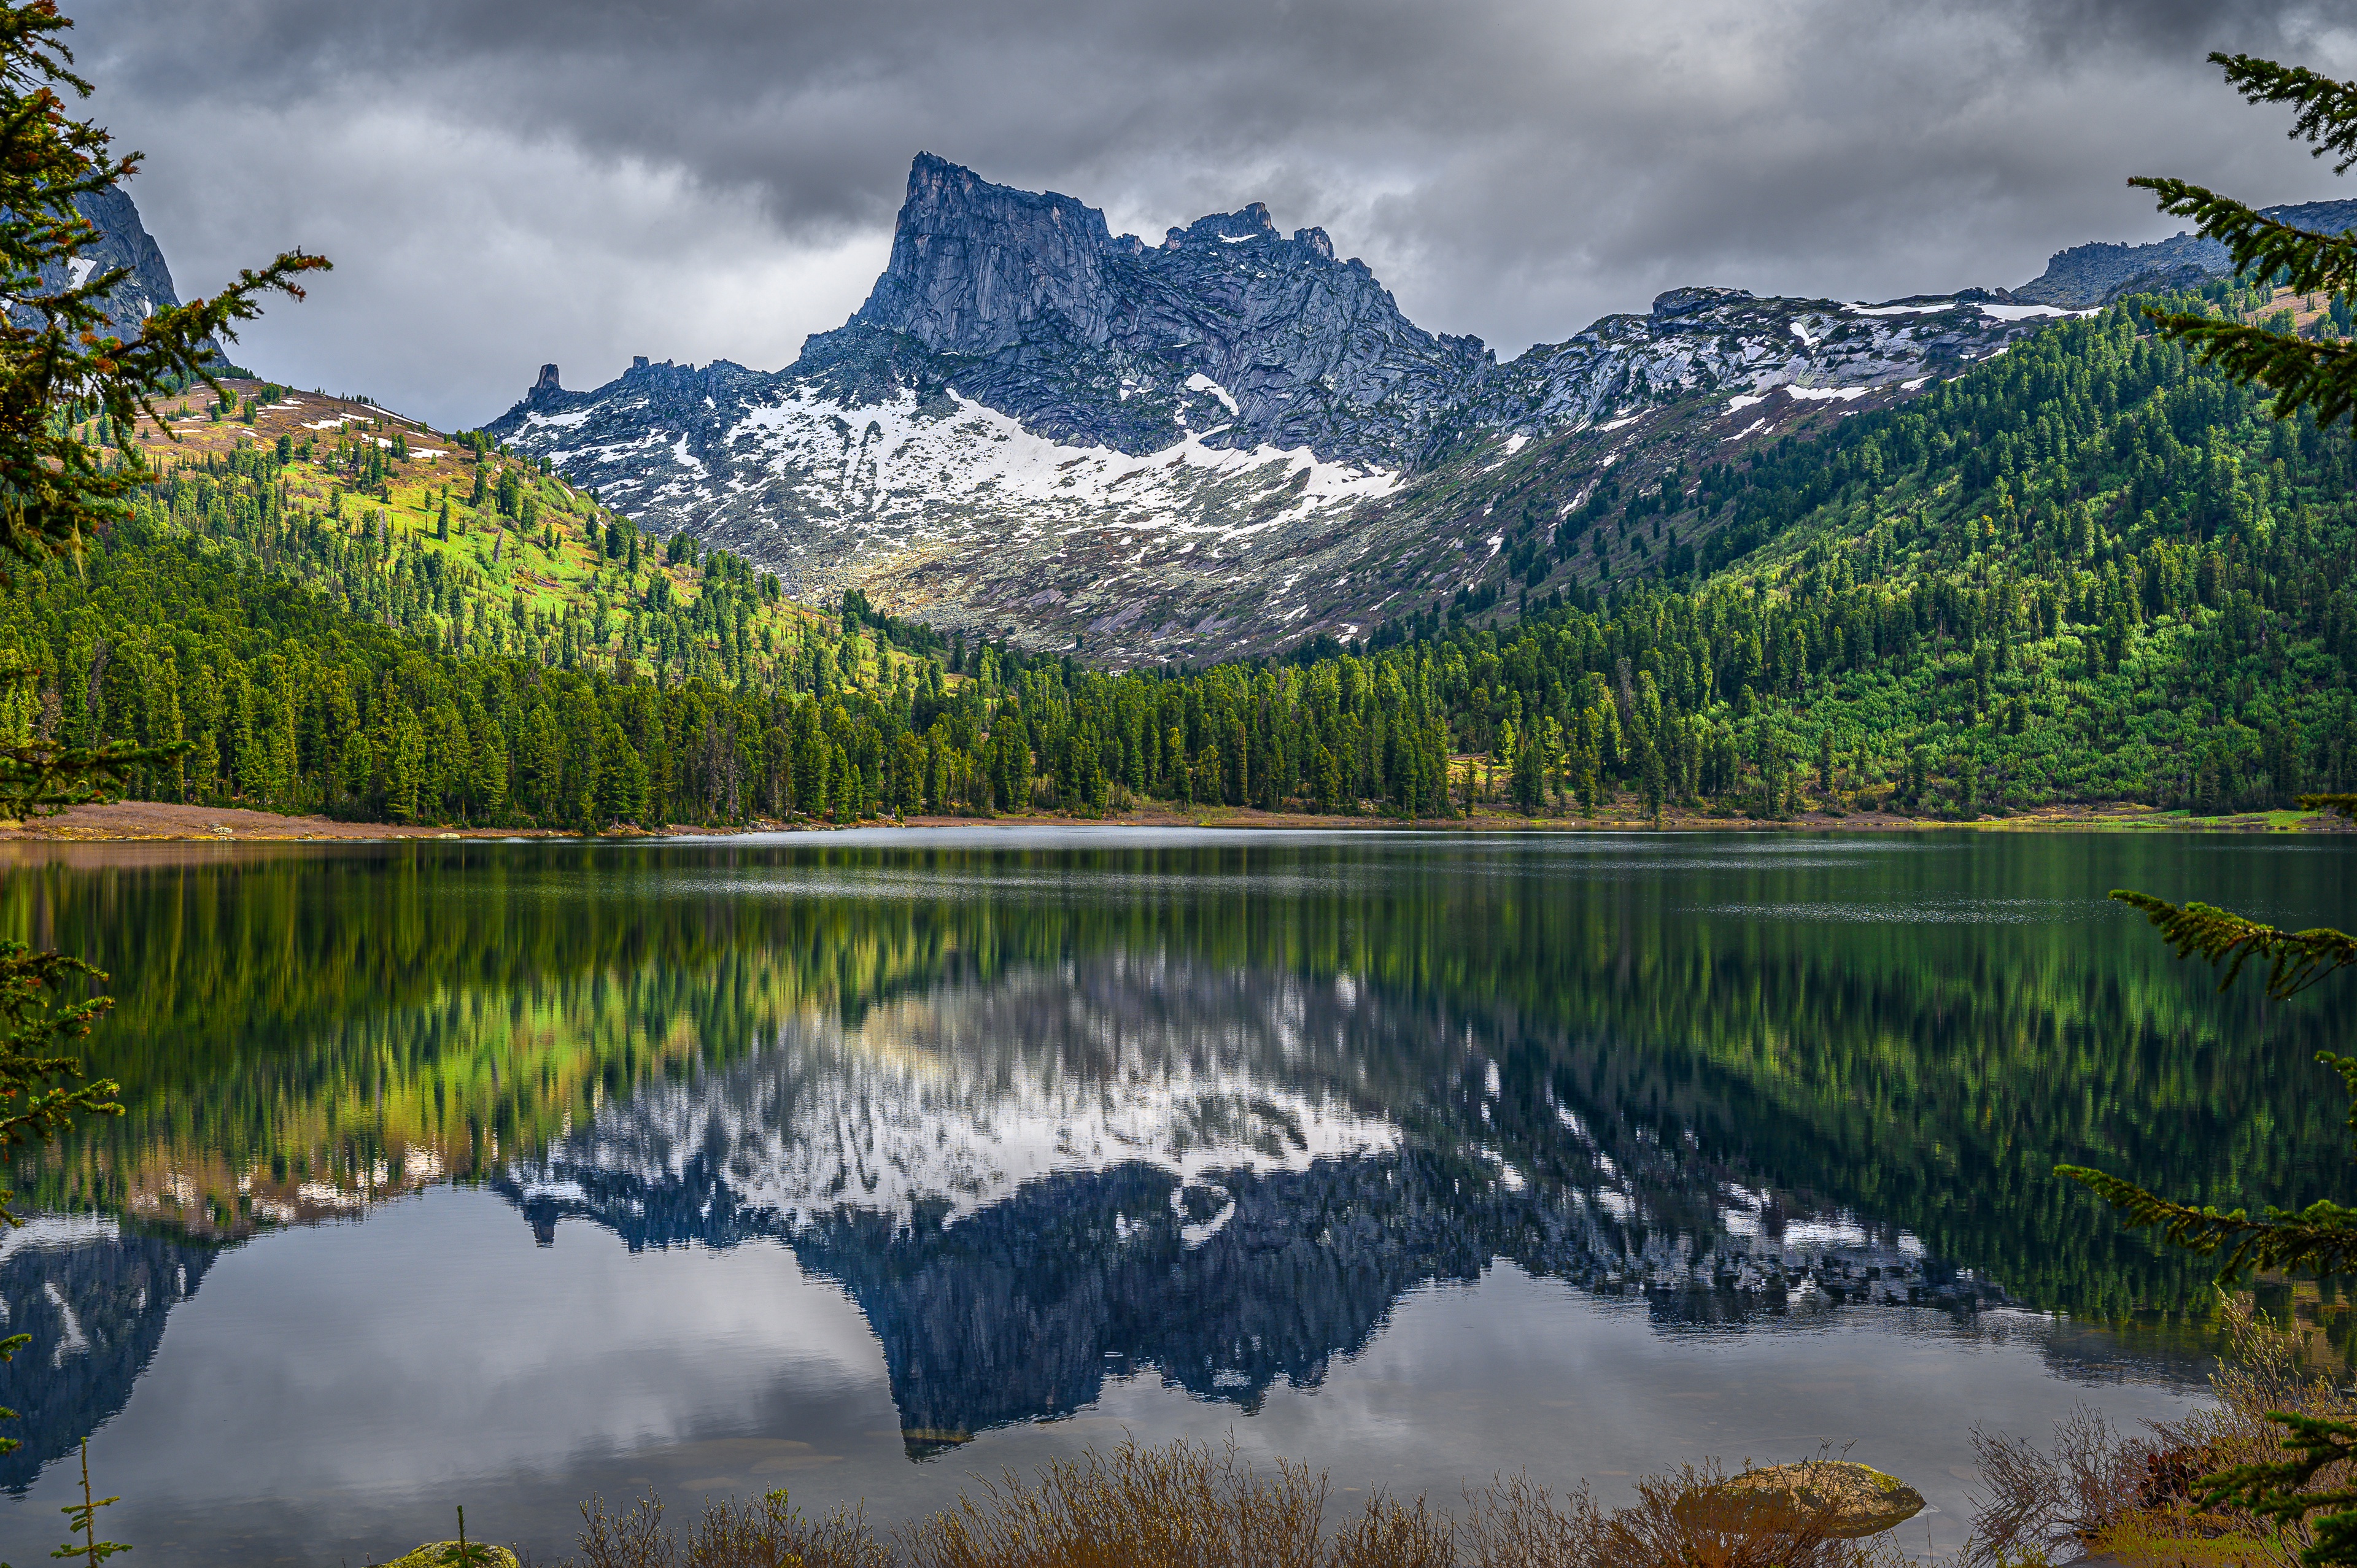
x=2088 y=571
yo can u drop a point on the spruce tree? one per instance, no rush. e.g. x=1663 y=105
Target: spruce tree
x=2322 y=378
x=58 y=365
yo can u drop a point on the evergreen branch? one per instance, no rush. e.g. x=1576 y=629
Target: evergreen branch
x=2275 y=1490
x=56 y=353
x=2302 y=373
x=8 y=1348
x=2320 y=1238
x=2342 y=806
x=40 y=778
x=2261 y=246
x=32 y=1110
x=29 y=56
x=53 y=487
x=2296 y=959
x=2328 y=109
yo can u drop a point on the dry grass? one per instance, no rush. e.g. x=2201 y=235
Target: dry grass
x=1189 y=1505
x=1185 y=1503
x=2136 y=1495
x=767 y=1533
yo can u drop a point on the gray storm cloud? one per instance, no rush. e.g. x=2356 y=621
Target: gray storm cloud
x=504 y=184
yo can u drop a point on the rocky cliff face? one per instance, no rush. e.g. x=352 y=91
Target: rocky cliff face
x=123 y=241
x=1217 y=445
x=1227 y=328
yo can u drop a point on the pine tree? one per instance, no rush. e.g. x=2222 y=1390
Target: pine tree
x=1530 y=774
x=2319 y=377
x=58 y=366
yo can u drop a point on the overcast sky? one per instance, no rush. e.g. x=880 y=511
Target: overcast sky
x=501 y=184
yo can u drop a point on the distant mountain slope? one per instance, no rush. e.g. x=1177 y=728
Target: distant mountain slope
x=343 y=612
x=471 y=549
x=1211 y=446
x=2085 y=276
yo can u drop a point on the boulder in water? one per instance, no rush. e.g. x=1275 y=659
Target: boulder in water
x=1833 y=1497
x=444 y=1555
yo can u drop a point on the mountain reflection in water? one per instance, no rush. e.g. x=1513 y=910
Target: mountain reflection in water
x=1197 y=1109
x=1033 y=1182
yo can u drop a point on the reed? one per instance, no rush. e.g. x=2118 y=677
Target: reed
x=2140 y=1496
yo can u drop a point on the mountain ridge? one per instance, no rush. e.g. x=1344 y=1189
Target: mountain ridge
x=2085 y=276
x=1225 y=443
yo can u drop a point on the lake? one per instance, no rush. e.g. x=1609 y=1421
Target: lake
x=505 y=1174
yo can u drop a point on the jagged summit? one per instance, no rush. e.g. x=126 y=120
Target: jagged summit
x=974 y=264
x=1054 y=312
x=1687 y=301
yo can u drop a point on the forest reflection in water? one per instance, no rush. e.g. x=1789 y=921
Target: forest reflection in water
x=1056 y=1111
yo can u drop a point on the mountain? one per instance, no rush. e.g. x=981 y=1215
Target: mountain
x=1215 y=445
x=2086 y=569
x=1227 y=327
x=2086 y=276
x=453 y=632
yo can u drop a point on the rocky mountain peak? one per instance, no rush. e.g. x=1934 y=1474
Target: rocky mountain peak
x=122 y=241
x=1252 y=222
x=974 y=265
x=1687 y=301
x=2087 y=276
x=1228 y=332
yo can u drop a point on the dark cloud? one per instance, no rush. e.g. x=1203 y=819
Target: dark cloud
x=501 y=184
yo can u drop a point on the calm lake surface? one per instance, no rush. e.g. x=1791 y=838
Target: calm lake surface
x=505 y=1174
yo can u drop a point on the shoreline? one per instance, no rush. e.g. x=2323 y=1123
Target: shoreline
x=147 y=821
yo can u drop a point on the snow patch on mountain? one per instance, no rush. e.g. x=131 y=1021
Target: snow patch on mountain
x=1203 y=383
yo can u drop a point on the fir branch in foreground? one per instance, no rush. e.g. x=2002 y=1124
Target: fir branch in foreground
x=56 y=359
x=2296 y=959
x=2275 y=1489
x=2301 y=372
x=2322 y=1238
x=2261 y=246
x=2328 y=108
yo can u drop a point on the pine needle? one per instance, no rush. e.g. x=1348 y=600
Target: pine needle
x=2296 y=959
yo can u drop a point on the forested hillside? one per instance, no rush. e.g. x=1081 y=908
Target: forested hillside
x=2087 y=570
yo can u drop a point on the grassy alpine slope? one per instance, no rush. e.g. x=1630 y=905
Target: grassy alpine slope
x=2088 y=570
x=342 y=611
